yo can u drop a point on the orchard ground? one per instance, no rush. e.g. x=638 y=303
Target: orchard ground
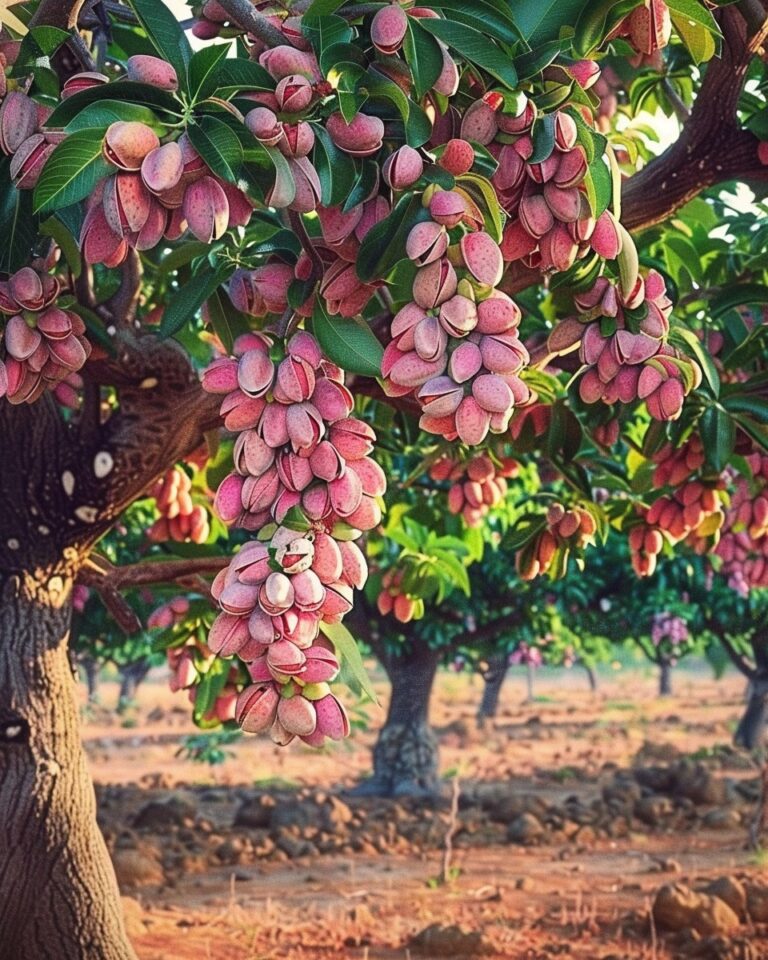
x=573 y=811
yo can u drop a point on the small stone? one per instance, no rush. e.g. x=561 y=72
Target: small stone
x=449 y=941
x=757 y=902
x=677 y=907
x=730 y=891
x=525 y=829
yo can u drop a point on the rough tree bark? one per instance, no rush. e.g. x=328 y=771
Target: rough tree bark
x=64 y=484
x=493 y=680
x=405 y=757
x=58 y=893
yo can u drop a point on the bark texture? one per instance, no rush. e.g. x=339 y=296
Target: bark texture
x=665 y=678
x=493 y=680
x=405 y=758
x=58 y=893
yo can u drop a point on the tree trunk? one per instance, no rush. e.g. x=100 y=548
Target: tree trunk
x=493 y=680
x=131 y=675
x=751 y=729
x=665 y=678
x=530 y=673
x=591 y=677
x=405 y=758
x=58 y=893
x=92 y=672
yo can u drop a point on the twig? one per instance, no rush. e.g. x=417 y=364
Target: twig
x=682 y=112
x=122 y=305
x=453 y=825
x=243 y=13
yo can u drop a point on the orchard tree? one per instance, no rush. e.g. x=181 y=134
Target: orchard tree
x=326 y=205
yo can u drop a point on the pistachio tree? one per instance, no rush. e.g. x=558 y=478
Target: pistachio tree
x=289 y=230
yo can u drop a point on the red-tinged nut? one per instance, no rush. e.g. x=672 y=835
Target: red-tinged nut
x=457 y=157
x=297 y=141
x=566 y=131
x=256 y=707
x=265 y=126
x=127 y=142
x=372 y=477
x=440 y=396
x=82 y=81
x=283 y=61
x=447 y=207
x=584 y=72
x=18 y=121
x=430 y=340
x=434 y=284
x=606 y=239
x=26 y=289
x=492 y=393
x=403 y=167
x=388 y=28
x=479 y=123
x=374 y=211
x=352 y=438
x=332 y=719
x=297 y=716
x=649 y=26
x=519 y=122
x=206 y=209
x=558 y=249
x=498 y=313
x=466 y=361
x=99 y=242
x=56 y=324
x=21 y=340
x=503 y=353
x=360 y=138
x=306 y=183
x=458 y=316
x=571 y=168
x=152 y=70
x=427 y=241
x=346 y=493
x=126 y=202
x=517 y=241
x=294 y=93
x=162 y=168
x=472 y=422
x=482 y=257
x=565 y=203
x=535 y=215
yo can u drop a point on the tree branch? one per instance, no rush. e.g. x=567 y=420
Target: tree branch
x=243 y=13
x=98 y=572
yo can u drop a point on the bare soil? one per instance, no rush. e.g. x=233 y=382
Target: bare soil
x=370 y=886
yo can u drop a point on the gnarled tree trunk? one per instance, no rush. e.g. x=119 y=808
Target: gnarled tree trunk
x=493 y=680
x=58 y=893
x=405 y=758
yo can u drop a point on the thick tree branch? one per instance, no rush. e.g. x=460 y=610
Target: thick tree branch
x=243 y=13
x=500 y=625
x=100 y=573
x=57 y=13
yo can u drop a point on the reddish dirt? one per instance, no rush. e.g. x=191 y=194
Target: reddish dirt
x=587 y=901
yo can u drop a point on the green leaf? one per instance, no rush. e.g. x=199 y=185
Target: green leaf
x=218 y=145
x=384 y=244
x=72 y=171
x=322 y=8
x=424 y=57
x=694 y=12
x=227 y=322
x=165 y=33
x=698 y=39
x=543 y=20
x=335 y=169
x=543 y=136
x=236 y=75
x=103 y=113
x=190 y=297
x=475 y=47
x=493 y=17
x=596 y=21
x=352 y=663
x=18 y=224
x=202 y=73
x=122 y=91
x=695 y=348
x=484 y=195
x=40 y=42
x=53 y=227
x=348 y=342
x=602 y=183
x=718 y=435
